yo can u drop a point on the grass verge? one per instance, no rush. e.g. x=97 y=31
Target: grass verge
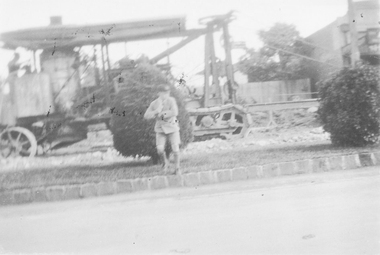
x=113 y=171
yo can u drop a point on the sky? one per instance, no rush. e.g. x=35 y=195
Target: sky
x=252 y=15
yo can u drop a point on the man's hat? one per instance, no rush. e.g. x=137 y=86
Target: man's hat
x=163 y=88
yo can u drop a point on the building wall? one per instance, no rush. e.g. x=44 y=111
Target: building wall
x=329 y=41
x=336 y=35
x=367 y=14
x=332 y=42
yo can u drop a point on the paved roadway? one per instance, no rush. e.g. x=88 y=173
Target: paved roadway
x=326 y=213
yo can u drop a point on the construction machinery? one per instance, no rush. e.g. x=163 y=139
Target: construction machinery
x=62 y=92
x=217 y=114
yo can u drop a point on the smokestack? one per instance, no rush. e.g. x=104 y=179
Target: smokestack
x=55 y=20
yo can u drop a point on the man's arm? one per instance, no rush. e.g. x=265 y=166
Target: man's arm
x=150 y=113
x=173 y=111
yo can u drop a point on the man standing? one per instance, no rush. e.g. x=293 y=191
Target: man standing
x=165 y=110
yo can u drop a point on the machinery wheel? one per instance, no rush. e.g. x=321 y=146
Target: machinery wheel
x=224 y=121
x=16 y=142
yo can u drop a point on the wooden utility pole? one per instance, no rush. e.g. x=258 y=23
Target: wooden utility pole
x=97 y=77
x=108 y=57
x=34 y=61
x=167 y=47
x=228 y=62
x=207 y=70
x=355 y=54
x=105 y=76
x=215 y=75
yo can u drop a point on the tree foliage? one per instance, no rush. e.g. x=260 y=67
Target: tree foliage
x=132 y=134
x=350 y=106
x=272 y=61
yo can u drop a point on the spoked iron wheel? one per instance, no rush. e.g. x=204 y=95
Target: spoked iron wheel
x=16 y=142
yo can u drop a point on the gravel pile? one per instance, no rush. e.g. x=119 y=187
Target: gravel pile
x=271 y=137
x=212 y=145
x=316 y=134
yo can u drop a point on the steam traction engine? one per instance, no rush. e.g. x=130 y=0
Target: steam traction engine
x=53 y=103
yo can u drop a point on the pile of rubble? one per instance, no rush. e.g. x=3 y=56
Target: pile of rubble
x=212 y=145
x=264 y=137
x=313 y=135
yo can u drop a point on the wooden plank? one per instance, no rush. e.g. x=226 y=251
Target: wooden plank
x=174 y=48
x=279 y=91
x=282 y=105
x=97 y=38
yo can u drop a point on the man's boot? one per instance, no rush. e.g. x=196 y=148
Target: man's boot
x=176 y=163
x=164 y=161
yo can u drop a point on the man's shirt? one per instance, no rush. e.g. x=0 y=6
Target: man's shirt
x=167 y=121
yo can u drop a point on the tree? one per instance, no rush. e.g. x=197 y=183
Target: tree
x=273 y=61
x=132 y=134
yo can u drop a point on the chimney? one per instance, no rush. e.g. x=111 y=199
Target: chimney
x=55 y=20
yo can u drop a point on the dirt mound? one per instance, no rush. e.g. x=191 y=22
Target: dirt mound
x=260 y=138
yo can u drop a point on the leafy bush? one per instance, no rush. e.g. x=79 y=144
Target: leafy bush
x=350 y=106
x=132 y=134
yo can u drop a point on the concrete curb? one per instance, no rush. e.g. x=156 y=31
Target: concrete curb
x=308 y=166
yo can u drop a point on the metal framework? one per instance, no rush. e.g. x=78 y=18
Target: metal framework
x=70 y=36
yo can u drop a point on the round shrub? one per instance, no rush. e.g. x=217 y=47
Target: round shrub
x=350 y=106
x=132 y=134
